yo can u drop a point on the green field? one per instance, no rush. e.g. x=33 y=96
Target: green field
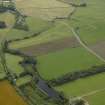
x=13 y=64
x=91 y=25
x=69 y=60
x=51 y=34
x=96 y=99
x=8 y=18
x=34 y=24
x=83 y=86
x=2 y=73
x=91 y=21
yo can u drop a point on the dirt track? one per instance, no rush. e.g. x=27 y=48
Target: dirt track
x=68 y=42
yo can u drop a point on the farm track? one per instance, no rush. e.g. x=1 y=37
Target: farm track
x=92 y=93
x=53 y=46
x=83 y=43
x=86 y=47
x=89 y=94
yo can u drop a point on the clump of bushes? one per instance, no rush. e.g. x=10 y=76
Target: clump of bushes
x=2 y=24
x=21 y=26
x=20 y=22
x=2 y=9
x=20 y=19
x=6 y=6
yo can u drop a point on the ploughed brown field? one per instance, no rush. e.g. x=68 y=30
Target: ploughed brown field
x=8 y=95
x=53 y=46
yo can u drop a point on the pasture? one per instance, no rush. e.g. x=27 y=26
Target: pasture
x=91 y=89
x=13 y=64
x=56 y=64
x=2 y=73
x=91 y=21
x=96 y=99
x=35 y=25
x=8 y=19
x=83 y=86
x=57 y=31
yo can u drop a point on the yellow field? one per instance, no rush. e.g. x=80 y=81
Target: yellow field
x=8 y=95
x=46 y=9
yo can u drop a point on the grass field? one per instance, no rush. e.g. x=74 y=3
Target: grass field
x=37 y=96
x=35 y=25
x=8 y=19
x=46 y=9
x=71 y=1
x=83 y=86
x=69 y=60
x=96 y=99
x=58 y=30
x=13 y=64
x=91 y=21
x=91 y=25
x=2 y=73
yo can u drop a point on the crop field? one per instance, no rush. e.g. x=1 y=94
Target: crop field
x=12 y=98
x=46 y=9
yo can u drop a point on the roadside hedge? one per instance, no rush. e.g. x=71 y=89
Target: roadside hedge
x=69 y=77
